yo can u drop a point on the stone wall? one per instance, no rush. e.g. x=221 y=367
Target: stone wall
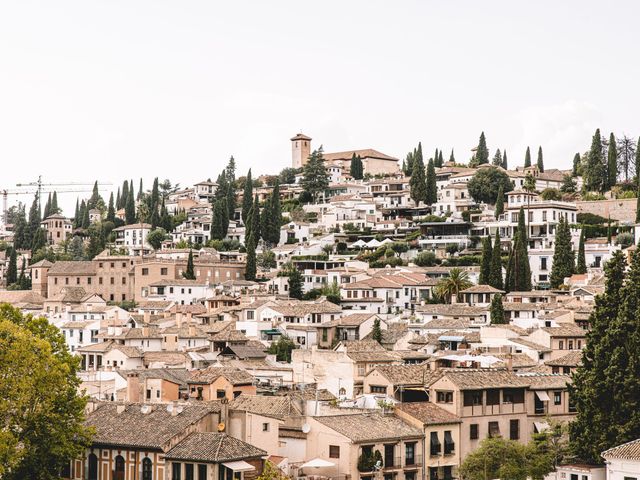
x=621 y=210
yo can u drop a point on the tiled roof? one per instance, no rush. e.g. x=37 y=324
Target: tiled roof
x=153 y=430
x=626 y=451
x=271 y=406
x=571 y=359
x=370 y=427
x=21 y=296
x=175 y=375
x=481 y=289
x=565 y=330
x=456 y=309
x=73 y=268
x=212 y=447
x=541 y=381
x=428 y=413
x=408 y=374
x=447 y=324
x=353 y=320
x=235 y=376
x=530 y=344
x=362 y=346
x=470 y=379
x=367 y=152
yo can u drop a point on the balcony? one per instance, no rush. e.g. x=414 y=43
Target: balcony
x=392 y=463
x=414 y=461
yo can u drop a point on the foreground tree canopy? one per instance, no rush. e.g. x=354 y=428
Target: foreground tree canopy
x=41 y=413
x=488 y=183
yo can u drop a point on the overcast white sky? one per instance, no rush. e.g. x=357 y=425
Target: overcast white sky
x=129 y=88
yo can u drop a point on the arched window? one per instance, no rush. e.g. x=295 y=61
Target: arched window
x=147 y=469
x=93 y=467
x=118 y=473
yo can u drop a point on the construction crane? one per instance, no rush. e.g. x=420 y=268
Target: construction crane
x=39 y=184
x=5 y=197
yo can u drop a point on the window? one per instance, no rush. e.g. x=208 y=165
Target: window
x=265 y=427
x=543 y=263
x=220 y=394
x=493 y=396
x=560 y=345
x=557 y=398
x=389 y=450
x=164 y=271
x=188 y=471
x=435 y=446
x=202 y=472
x=93 y=467
x=410 y=453
x=494 y=429
x=378 y=389
x=514 y=429
x=88 y=280
x=574 y=476
x=145 y=271
x=444 y=397
x=148 y=394
x=118 y=473
x=147 y=469
x=176 y=470
x=334 y=451
x=449 y=445
x=124 y=280
x=473 y=397
x=570 y=345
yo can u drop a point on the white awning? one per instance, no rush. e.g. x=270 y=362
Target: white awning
x=541 y=426
x=317 y=463
x=239 y=466
x=542 y=396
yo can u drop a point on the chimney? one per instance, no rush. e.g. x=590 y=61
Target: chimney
x=166 y=314
x=179 y=319
x=174 y=410
x=133 y=387
x=192 y=330
x=120 y=409
x=189 y=318
x=147 y=316
x=145 y=331
x=510 y=363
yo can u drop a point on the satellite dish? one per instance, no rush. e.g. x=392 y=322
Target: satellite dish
x=170 y=408
x=145 y=409
x=221 y=427
x=306 y=428
x=179 y=409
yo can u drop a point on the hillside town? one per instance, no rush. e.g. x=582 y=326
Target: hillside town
x=357 y=316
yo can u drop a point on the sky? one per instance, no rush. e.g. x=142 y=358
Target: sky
x=119 y=89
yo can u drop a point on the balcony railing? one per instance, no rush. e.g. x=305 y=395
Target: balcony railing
x=391 y=463
x=414 y=461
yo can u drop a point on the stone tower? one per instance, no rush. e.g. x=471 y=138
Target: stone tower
x=300 y=150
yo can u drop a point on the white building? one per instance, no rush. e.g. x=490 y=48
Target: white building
x=623 y=461
x=133 y=238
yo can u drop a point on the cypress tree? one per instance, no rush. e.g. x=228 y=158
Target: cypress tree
x=440 y=162
x=408 y=163
x=563 y=258
x=315 y=179
x=482 y=153
x=220 y=219
x=131 y=191
x=39 y=240
x=540 y=160
x=231 y=200
x=275 y=213
x=250 y=268
x=527 y=158
x=605 y=388
x=247 y=198
x=518 y=268
x=638 y=201
x=111 y=211
x=581 y=266
x=612 y=162
x=417 y=183
x=189 y=273
x=54 y=204
x=130 y=208
x=154 y=204
x=452 y=157
x=295 y=284
x=497 y=159
x=124 y=195
x=140 y=191
x=23 y=280
x=86 y=219
x=117 y=204
x=12 y=268
x=505 y=164
x=165 y=219
x=47 y=207
x=594 y=175
x=33 y=223
x=431 y=187
x=255 y=221
x=376 y=331
x=576 y=165
x=485 y=265
x=495 y=271
x=522 y=227
x=500 y=202
x=356 y=168
x=77 y=214
x=497 y=311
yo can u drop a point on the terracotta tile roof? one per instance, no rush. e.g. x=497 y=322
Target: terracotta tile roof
x=69 y=294
x=370 y=427
x=73 y=268
x=384 y=356
x=481 y=289
x=447 y=324
x=178 y=376
x=165 y=358
x=472 y=379
x=565 y=330
x=213 y=447
x=229 y=335
x=153 y=430
x=530 y=344
x=361 y=346
x=626 y=451
x=271 y=406
x=408 y=374
x=454 y=310
x=21 y=296
x=367 y=152
x=428 y=413
x=541 y=381
x=571 y=359
x=352 y=320
x=235 y=376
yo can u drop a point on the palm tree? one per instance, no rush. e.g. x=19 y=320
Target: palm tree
x=457 y=281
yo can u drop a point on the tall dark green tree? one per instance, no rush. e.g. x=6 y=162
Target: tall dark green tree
x=594 y=174
x=482 y=152
x=605 y=389
x=77 y=214
x=527 y=158
x=189 y=273
x=295 y=284
x=540 y=162
x=581 y=263
x=496 y=311
x=430 y=181
x=575 y=170
x=440 y=161
x=315 y=178
x=130 y=208
x=39 y=240
x=95 y=200
x=500 y=202
x=356 y=169
x=612 y=162
x=111 y=211
x=117 y=204
x=485 y=264
x=271 y=217
x=505 y=163
x=33 y=223
x=220 y=219
x=407 y=163
x=124 y=196
x=47 y=207
x=140 y=191
x=251 y=268
x=54 y=204
x=518 y=269
x=230 y=174
x=417 y=183
x=497 y=159
x=563 y=258
x=495 y=272
x=376 y=331
x=452 y=157
x=247 y=198
x=638 y=201
x=12 y=268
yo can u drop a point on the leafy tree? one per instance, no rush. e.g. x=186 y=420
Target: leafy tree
x=247 y=198
x=315 y=179
x=189 y=273
x=451 y=286
x=417 y=183
x=569 y=185
x=612 y=162
x=497 y=311
x=496 y=458
x=76 y=248
x=581 y=264
x=39 y=399
x=485 y=265
x=431 y=188
x=482 y=152
x=332 y=292
x=594 y=175
x=495 y=272
x=295 y=284
x=356 y=169
x=499 y=202
x=527 y=158
x=487 y=183
x=497 y=159
x=12 y=269
x=425 y=259
x=376 y=331
x=605 y=388
x=156 y=237
x=540 y=162
x=267 y=260
x=282 y=349
x=563 y=259
x=288 y=176
x=627 y=154
x=39 y=239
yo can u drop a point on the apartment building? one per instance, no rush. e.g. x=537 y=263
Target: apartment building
x=58 y=228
